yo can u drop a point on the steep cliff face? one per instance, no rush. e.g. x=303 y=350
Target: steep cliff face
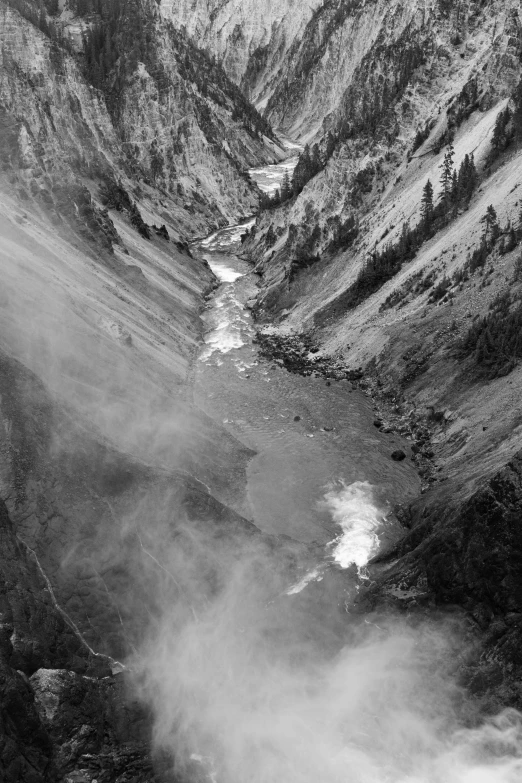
x=428 y=81
x=251 y=40
x=427 y=302
x=102 y=454
x=185 y=131
x=100 y=457
x=118 y=148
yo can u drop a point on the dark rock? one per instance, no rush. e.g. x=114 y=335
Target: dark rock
x=469 y=549
x=398 y=455
x=377 y=423
x=162 y=232
x=297 y=418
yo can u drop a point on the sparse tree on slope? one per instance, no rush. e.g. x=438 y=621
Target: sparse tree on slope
x=467 y=179
x=427 y=208
x=491 y=227
x=446 y=178
x=500 y=138
x=286 y=187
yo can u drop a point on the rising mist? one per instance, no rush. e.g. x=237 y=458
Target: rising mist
x=253 y=684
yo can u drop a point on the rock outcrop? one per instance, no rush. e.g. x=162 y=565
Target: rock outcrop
x=252 y=40
x=175 y=124
x=105 y=464
x=432 y=329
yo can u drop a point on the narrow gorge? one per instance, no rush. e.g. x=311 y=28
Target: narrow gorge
x=260 y=440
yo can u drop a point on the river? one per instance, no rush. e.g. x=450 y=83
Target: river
x=320 y=463
x=278 y=676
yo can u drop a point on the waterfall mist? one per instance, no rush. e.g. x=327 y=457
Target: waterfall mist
x=251 y=683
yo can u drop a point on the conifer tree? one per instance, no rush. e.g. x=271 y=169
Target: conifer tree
x=491 y=227
x=286 y=187
x=446 y=179
x=427 y=208
x=467 y=179
x=455 y=188
x=500 y=139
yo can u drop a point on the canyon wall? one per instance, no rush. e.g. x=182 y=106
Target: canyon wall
x=251 y=40
x=103 y=454
x=424 y=307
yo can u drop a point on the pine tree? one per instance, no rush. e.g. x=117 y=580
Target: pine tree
x=467 y=179
x=455 y=188
x=427 y=208
x=512 y=240
x=500 y=139
x=491 y=227
x=286 y=187
x=446 y=179
x=330 y=145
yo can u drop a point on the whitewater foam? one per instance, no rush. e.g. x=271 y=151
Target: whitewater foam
x=224 y=274
x=270 y=178
x=225 y=238
x=354 y=510
x=315 y=575
x=227 y=320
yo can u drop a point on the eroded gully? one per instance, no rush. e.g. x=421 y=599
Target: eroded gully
x=322 y=472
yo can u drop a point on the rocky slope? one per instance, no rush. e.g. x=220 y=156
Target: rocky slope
x=422 y=325
x=252 y=40
x=120 y=142
x=177 y=125
x=102 y=183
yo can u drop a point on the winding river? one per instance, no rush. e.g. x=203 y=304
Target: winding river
x=281 y=677
x=322 y=471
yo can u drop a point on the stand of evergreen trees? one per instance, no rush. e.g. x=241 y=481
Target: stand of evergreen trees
x=311 y=162
x=508 y=125
x=282 y=194
x=119 y=34
x=367 y=106
x=456 y=190
x=38 y=12
x=495 y=341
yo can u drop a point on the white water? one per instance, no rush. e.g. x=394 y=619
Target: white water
x=251 y=689
x=353 y=509
x=270 y=178
x=229 y=325
x=315 y=575
x=227 y=320
x=226 y=238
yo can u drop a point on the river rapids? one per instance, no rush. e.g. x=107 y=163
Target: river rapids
x=281 y=677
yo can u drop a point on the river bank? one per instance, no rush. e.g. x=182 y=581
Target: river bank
x=301 y=354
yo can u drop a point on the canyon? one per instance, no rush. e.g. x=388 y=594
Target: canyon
x=260 y=440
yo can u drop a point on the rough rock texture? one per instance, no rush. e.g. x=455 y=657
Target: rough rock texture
x=36 y=641
x=107 y=470
x=185 y=138
x=464 y=549
x=427 y=69
x=251 y=39
x=408 y=333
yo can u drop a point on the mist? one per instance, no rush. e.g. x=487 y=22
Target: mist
x=260 y=683
x=255 y=669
